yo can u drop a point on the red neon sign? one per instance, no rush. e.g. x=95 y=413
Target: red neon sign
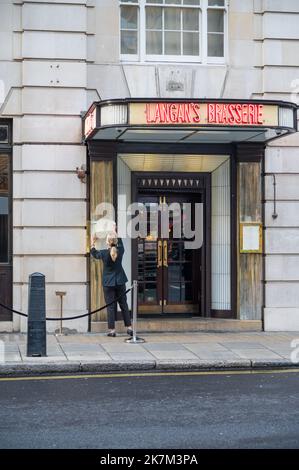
x=248 y=114
x=235 y=113
x=173 y=113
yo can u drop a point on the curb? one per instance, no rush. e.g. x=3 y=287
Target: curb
x=201 y=364
x=31 y=369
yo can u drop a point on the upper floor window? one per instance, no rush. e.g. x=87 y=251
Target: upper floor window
x=174 y=30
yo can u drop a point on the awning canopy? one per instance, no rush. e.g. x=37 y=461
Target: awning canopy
x=189 y=121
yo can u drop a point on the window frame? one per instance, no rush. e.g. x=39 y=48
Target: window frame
x=202 y=58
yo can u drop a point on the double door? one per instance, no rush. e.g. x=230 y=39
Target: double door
x=169 y=273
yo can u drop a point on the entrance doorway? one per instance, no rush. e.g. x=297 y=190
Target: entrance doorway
x=5 y=228
x=171 y=274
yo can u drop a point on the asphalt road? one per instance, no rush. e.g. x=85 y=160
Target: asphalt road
x=169 y=411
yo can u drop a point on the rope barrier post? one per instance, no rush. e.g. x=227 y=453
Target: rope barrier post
x=60 y=294
x=135 y=339
x=36 y=334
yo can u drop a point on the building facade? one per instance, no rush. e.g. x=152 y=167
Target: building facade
x=160 y=101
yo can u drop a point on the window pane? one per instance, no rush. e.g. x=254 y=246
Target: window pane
x=3 y=237
x=186 y=292
x=153 y=18
x=173 y=2
x=140 y=293
x=174 y=292
x=154 y=1
x=174 y=273
x=191 y=2
x=190 y=20
x=130 y=1
x=191 y=44
x=172 y=43
x=150 y=292
x=215 y=21
x=172 y=18
x=218 y=3
x=215 y=45
x=129 y=17
x=154 y=42
x=129 y=42
x=187 y=272
x=4 y=134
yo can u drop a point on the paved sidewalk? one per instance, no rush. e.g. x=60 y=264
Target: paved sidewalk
x=190 y=351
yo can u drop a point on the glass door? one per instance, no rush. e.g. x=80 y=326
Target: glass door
x=168 y=273
x=149 y=260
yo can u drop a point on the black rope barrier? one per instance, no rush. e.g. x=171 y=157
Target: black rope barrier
x=70 y=318
x=14 y=311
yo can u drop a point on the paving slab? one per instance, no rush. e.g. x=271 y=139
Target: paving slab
x=164 y=347
x=256 y=354
x=89 y=357
x=197 y=348
x=122 y=347
x=220 y=355
x=242 y=345
x=131 y=356
x=43 y=360
x=173 y=355
x=82 y=347
x=12 y=357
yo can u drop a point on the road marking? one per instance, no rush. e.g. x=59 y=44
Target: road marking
x=149 y=374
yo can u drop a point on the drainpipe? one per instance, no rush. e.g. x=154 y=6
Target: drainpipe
x=263 y=255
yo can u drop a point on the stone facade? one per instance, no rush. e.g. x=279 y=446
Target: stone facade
x=56 y=58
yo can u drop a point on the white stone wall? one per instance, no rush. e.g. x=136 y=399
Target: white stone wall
x=280 y=42
x=43 y=67
x=59 y=56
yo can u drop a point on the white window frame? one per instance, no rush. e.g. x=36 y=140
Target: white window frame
x=202 y=58
x=131 y=57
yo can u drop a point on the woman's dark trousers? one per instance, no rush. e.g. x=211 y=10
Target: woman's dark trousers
x=112 y=293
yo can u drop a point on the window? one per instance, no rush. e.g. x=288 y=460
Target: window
x=175 y=30
x=129 y=29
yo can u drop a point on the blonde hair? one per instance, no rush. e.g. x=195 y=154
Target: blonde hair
x=112 y=242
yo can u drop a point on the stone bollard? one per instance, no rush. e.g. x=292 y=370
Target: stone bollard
x=36 y=335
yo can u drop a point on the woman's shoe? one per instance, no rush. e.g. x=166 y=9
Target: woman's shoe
x=130 y=331
x=111 y=334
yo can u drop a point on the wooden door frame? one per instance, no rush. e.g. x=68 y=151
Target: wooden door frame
x=111 y=149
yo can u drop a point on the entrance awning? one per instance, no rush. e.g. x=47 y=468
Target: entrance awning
x=189 y=121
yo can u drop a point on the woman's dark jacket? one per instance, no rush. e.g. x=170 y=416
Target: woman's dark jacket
x=113 y=272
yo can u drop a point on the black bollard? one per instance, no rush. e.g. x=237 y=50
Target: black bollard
x=36 y=336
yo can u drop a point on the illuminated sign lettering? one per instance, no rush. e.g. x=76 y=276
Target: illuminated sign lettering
x=199 y=113
x=235 y=114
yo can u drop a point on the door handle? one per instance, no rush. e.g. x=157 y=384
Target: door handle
x=165 y=254
x=159 y=254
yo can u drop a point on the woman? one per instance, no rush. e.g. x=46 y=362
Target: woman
x=114 y=280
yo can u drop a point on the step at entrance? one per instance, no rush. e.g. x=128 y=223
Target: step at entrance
x=185 y=325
